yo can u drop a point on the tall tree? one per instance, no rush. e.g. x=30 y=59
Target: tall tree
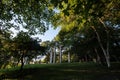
x=89 y=14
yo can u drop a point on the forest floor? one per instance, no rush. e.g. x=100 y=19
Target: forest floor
x=64 y=71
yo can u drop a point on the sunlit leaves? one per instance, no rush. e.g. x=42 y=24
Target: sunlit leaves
x=82 y=14
x=87 y=12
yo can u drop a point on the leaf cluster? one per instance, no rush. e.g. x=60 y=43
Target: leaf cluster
x=33 y=15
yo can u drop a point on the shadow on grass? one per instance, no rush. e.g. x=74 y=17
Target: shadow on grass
x=73 y=71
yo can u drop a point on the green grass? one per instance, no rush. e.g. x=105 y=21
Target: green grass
x=64 y=71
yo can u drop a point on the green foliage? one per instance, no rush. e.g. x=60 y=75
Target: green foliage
x=24 y=43
x=34 y=15
x=86 y=13
x=4 y=48
x=80 y=20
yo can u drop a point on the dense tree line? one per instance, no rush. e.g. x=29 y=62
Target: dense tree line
x=91 y=27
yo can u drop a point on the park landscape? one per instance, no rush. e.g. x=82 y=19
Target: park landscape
x=64 y=71
x=87 y=47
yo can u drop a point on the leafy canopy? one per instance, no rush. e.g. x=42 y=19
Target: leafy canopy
x=33 y=15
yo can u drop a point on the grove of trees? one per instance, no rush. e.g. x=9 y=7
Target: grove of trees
x=90 y=31
x=90 y=27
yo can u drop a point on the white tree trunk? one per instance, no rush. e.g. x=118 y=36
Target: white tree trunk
x=107 y=44
x=60 y=54
x=69 y=57
x=107 y=51
x=104 y=51
x=54 y=56
x=51 y=55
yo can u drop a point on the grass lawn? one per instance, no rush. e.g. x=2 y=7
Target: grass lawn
x=64 y=71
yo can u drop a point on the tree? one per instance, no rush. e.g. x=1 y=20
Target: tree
x=60 y=52
x=48 y=51
x=25 y=46
x=54 y=49
x=89 y=14
x=5 y=53
x=66 y=40
x=33 y=15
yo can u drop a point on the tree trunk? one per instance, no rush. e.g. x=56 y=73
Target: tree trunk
x=107 y=45
x=51 y=55
x=107 y=51
x=22 y=62
x=101 y=46
x=97 y=55
x=60 y=55
x=54 y=57
x=69 y=57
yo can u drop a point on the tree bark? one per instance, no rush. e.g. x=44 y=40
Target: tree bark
x=97 y=55
x=60 y=54
x=107 y=51
x=51 y=55
x=54 y=56
x=69 y=57
x=101 y=46
x=107 y=45
x=22 y=62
